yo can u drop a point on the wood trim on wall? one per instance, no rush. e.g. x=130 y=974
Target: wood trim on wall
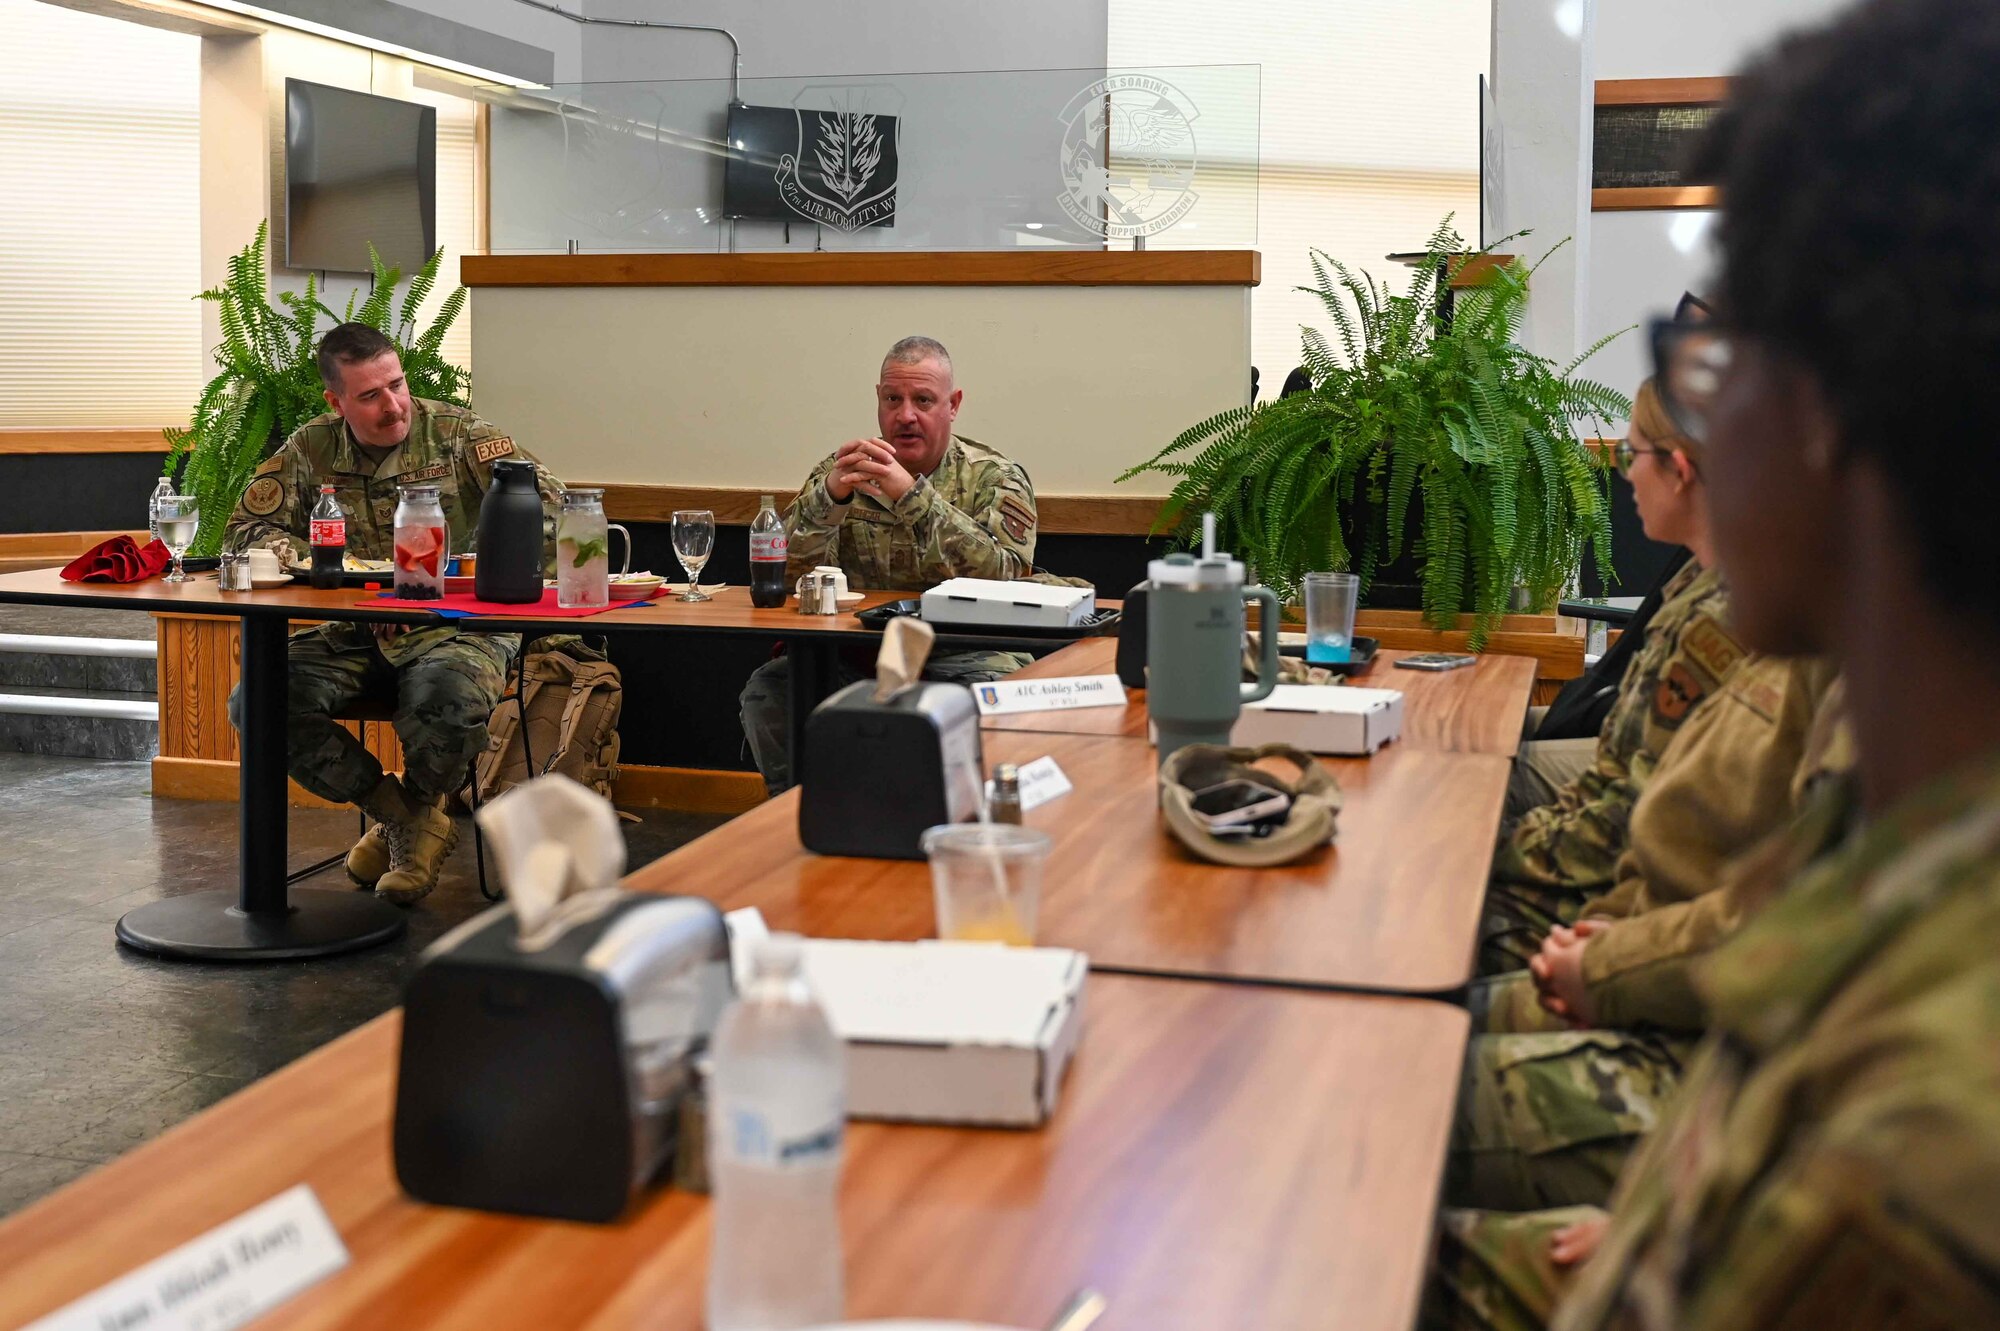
x=1475 y=269
x=1095 y=515
x=1022 y=267
x=64 y=545
x=1635 y=198
x=84 y=440
x=1662 y=92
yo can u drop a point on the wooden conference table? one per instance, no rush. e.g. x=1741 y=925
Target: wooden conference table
x=265 y=920
x=1479 y=709
x=1256 y=1155
x=1223 y=1156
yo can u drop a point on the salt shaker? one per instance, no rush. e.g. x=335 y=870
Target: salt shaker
x=232 y=572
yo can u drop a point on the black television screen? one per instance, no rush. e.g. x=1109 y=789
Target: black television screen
x=359 y=169
x=842 y=166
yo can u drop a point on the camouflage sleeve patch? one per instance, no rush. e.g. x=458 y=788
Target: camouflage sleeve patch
x=1676 y=694
x=265 y=496
x=1017 y=516
x=486 y=450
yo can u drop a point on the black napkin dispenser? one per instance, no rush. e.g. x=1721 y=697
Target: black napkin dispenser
x=549 y=1082
x=877 y=774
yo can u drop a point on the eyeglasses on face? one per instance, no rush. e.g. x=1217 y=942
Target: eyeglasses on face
x=1690 y=364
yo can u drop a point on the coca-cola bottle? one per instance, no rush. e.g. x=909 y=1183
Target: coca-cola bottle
x=767 y=557
x=329 y=539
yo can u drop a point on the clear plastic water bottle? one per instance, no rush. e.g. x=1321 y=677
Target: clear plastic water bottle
x=777 y=1116
x=165 y=487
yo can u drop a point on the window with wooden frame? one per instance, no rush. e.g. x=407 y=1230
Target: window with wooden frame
x=1642 y=135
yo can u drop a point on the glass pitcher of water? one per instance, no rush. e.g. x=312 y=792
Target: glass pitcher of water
x=583 y=551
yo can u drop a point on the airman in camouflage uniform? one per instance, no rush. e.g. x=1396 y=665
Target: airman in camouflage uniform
x=972 y=515
x=1835 y=1144
x=1831 y=1161
x=443 y=684
x=1559 y=855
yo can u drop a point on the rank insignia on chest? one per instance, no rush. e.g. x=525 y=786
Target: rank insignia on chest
x=488 y=449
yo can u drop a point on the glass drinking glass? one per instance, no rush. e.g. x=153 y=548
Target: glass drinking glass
x=583 y=552
x=1330 y=602
x=694 y=542
x=180 y=519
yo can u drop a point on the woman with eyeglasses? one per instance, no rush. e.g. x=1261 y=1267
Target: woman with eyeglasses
x=1559 y=855
x=1831 y=1161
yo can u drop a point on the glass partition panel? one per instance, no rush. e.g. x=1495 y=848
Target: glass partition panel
x=1086 y=158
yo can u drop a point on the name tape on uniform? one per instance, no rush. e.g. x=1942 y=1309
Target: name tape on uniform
x=237 y=1271
x=1048 y=695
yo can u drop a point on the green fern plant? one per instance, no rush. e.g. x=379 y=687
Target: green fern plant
x=269 y=385
x=1447 y=418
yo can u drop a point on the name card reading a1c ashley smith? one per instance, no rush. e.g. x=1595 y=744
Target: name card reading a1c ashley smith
x=1048 y=695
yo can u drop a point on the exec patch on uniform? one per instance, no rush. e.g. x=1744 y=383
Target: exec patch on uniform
x=1676 y=694
x=265 y=496
x=488 y=449
x=1016 y=516
x=436 y=471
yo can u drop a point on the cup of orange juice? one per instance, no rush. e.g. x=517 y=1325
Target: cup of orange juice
x=987 y=880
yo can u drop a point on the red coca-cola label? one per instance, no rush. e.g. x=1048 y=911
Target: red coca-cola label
x=767 y=545
x=329 y=531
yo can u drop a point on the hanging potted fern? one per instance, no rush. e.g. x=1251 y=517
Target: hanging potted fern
x=1432 y=441
x=269 y=382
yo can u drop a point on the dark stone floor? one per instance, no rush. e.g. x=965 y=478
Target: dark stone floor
x=103 y=1048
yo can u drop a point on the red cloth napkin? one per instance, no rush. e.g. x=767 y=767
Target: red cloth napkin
x=459 y=605
x=117 y=560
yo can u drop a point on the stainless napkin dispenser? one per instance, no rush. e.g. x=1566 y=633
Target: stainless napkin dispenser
x=549 y=1082
x=877 y=774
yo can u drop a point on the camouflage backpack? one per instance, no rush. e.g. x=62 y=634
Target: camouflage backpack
x=573 y=698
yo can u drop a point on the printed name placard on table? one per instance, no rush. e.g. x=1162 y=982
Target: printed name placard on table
x=1048 y=695
x=237 y=1271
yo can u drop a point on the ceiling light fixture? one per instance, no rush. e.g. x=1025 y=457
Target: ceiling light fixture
x=282 y=20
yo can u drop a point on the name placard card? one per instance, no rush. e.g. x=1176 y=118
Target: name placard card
x=1048 y=695
x=1041 y=781
x=241 y=1269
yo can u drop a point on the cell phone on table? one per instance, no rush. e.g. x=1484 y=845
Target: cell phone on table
x=1239 y=803
x=1434 y=661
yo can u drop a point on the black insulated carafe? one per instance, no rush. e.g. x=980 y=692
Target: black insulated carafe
x=510 y=537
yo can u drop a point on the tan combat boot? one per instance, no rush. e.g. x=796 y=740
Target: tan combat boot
x=417 y=850
x=370 y=858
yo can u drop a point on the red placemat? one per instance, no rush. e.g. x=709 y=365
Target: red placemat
x=463 y=605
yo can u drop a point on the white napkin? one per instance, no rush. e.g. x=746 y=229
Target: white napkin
x=560 y=854
x=906 y=645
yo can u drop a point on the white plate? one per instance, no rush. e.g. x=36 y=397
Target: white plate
x=278 y=581
x=849 y=598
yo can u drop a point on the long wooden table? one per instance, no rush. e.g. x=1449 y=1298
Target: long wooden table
x=1392 y=907
x=264 y=919
x=1479 y=709
x=1223 y=1156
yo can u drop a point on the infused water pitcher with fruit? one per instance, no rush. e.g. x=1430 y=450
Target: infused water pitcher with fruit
x=423 y=543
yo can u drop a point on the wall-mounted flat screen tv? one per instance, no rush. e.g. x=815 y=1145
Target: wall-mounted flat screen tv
x=842 y=173
x=359 y=169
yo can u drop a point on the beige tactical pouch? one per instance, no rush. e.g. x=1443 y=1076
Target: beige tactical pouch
x=1309 y=825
